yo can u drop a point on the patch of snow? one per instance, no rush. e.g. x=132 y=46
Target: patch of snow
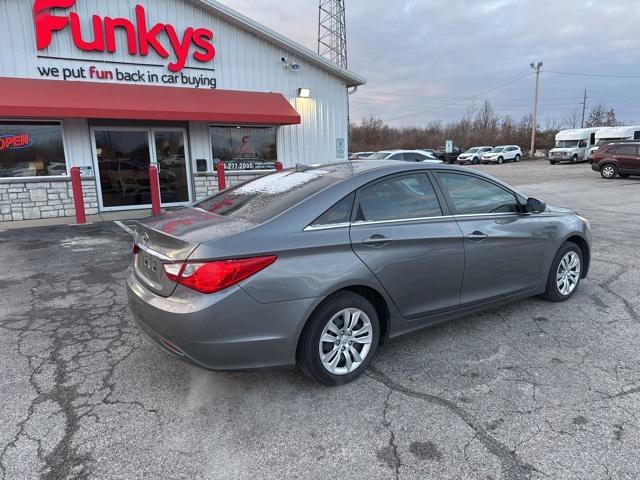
x=280 y=182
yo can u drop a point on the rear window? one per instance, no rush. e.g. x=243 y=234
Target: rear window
x=262 y=199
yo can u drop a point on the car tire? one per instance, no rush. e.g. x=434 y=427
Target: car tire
x=518 y=158
x=500 y=160
x=574 y=159
x=476 y=161
x=565 y=274
x=609 y=171
x=329 y=320
x=552 y=162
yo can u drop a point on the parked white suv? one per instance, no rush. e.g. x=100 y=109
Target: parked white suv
x=405 y=156
x=473 y=155
x=504 y=153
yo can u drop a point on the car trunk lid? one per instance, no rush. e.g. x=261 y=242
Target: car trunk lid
x=172 y=238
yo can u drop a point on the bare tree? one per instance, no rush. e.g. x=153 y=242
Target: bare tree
x=572 y=119
x=602 y=116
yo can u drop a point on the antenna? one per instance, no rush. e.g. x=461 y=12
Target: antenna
x=332 y=32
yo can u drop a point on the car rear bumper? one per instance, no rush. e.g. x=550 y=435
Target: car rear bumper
x=225 y=331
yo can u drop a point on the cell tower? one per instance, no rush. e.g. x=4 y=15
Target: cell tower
x=332 y=32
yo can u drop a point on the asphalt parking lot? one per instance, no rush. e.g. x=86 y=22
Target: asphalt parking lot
x=532 y=390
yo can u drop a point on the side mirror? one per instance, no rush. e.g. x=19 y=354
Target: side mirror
x=536 y=206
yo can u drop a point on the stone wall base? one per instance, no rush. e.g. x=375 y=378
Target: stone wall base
x=38 y=200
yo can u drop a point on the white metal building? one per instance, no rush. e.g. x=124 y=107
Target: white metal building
x=114 y=86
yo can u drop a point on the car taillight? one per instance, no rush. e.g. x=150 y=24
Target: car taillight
x=212 y=277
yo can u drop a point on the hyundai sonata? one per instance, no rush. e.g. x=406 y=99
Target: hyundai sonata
x=318 y=266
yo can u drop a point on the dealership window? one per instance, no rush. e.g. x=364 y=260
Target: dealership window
x=30 y=149
x=245 y=148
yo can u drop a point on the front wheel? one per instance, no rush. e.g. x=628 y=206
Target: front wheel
x=476 y=161
x=340 y=340
x=574 y=159
x=500 y=161
x=609 y=171
x=565 y=274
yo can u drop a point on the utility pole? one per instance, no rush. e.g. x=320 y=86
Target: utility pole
x=584 y=107
x=536 y=68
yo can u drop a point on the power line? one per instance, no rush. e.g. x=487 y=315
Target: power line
x=460 y=101
x=600 y=75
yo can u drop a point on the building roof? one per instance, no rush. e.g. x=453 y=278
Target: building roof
x=244 y=23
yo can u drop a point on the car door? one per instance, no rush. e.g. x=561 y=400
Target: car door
x=627 y=156
x=504 y=248
x=510 y=153
x=417 y=253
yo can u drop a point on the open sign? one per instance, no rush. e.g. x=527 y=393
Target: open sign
x=15 y=142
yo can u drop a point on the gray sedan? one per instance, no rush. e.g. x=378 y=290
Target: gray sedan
x=318 y=266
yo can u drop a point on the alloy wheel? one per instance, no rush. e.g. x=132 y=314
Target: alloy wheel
x=346 y=341
x=568 y=275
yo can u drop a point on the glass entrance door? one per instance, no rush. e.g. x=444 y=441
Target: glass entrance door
x=123 y=156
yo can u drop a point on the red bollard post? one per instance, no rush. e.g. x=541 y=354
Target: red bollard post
x=154 y=180
x=222 y=179
x=279 y=166
x=78 y=196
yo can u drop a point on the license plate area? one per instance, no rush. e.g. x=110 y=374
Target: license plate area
x=150 y=269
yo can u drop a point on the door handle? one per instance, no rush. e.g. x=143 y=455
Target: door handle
x=376 y=241
x=477 y=236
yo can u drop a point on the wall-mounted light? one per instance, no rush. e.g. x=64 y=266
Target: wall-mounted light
x=304 y=92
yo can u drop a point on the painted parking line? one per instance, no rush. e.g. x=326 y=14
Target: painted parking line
x=125 y=228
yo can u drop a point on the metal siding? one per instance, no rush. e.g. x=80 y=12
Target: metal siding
x=243 y=62
x=78 y=149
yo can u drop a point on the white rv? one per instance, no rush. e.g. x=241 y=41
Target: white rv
x=609 y=134
x=573 y=145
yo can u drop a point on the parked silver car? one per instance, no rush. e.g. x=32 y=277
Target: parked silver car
x=318 y=266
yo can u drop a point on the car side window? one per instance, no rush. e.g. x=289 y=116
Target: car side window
x=472 y=195
x=625 y=150
x=414 y=157
x=338 y=214
x=398 y=198
x=397 y=156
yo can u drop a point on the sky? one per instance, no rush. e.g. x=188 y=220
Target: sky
x=435 y=60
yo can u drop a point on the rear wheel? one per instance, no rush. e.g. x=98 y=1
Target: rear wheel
x=552 y=162
x=340 y=340
x=609 y=171
x=565 y=274
x=518 y=158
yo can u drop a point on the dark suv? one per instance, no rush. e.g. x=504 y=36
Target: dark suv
x=617 y=158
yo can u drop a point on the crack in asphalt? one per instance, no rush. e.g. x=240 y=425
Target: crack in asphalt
x=513 y=468
x=85 y=328
x=390 y=454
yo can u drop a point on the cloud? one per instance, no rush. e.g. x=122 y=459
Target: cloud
x=421 y=56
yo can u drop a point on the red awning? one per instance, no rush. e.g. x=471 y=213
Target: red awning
x=59 y=99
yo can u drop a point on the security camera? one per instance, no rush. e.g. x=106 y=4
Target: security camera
x=284 y=60
x=295 y=66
